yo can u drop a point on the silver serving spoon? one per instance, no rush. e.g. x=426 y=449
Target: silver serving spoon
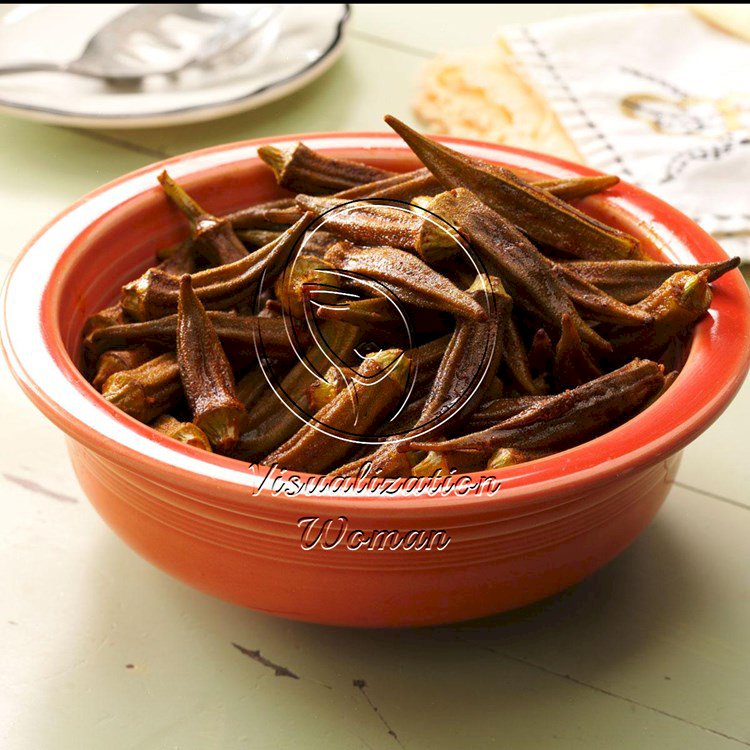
x=159 y=39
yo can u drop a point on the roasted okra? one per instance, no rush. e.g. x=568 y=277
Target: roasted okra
x=458 y=317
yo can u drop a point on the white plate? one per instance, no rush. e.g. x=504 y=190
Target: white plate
x=297 y=46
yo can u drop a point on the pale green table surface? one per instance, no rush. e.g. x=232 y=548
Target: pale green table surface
x=100 y=650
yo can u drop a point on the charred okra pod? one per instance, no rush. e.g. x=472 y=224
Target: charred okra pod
x=252 y=386
x=471 y=358
x=516 y=359
x=274 y=215
x=118 y=360
x=271 y=422
x=181 y=260
x=596 y=304
x=206 y=376
x=518 y=261
x=305 y=276
x=313 y=243
x=402 y=187
x=239 y=334
x=375 y=312
x=465 y=373
x=498 y=410
x=109 y=316
x=571 y=188
x=322 y=392
x=365 y=223
x=541 y=353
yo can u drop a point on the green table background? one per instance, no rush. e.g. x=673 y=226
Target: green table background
x=100 y=650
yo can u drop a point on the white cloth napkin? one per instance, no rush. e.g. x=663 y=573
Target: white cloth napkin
x=658 y=97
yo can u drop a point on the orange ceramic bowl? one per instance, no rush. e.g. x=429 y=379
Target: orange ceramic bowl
x=216 y=524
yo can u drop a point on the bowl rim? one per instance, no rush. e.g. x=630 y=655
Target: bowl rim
x=716 y=365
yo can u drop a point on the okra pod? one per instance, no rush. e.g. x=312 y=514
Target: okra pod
x=675 y=306
x=436 y=464
x=596 y=304
x=109 y=316
x=312 y=243
x=155 y=293
x=544 y=217
x=518 y=261
x=631 y=281
x=568 y=418
x=541 y=353
x=412 y=280
x=355 y=411
x=271 y=422
x=301 y=279
x=498 y=410
x=303 y=170
x=573 y=365
x=146 y=391
x=251 y=387
x=516 y=360
x=571 y=188
x=214 y=238
x=118 y=360
x=274 y=215
x=205 y=372
x=238 y=333
x=181 y=261
x=184 y=432
x=374 y=312
x=504 y=457
x=471 y=358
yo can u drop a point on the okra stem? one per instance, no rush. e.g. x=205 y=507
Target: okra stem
x=184 y=432
x=214 y=237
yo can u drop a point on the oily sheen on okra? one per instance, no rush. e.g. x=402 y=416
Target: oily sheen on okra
x=458 y=317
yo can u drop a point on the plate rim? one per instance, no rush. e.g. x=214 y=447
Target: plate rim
x=197 y=112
